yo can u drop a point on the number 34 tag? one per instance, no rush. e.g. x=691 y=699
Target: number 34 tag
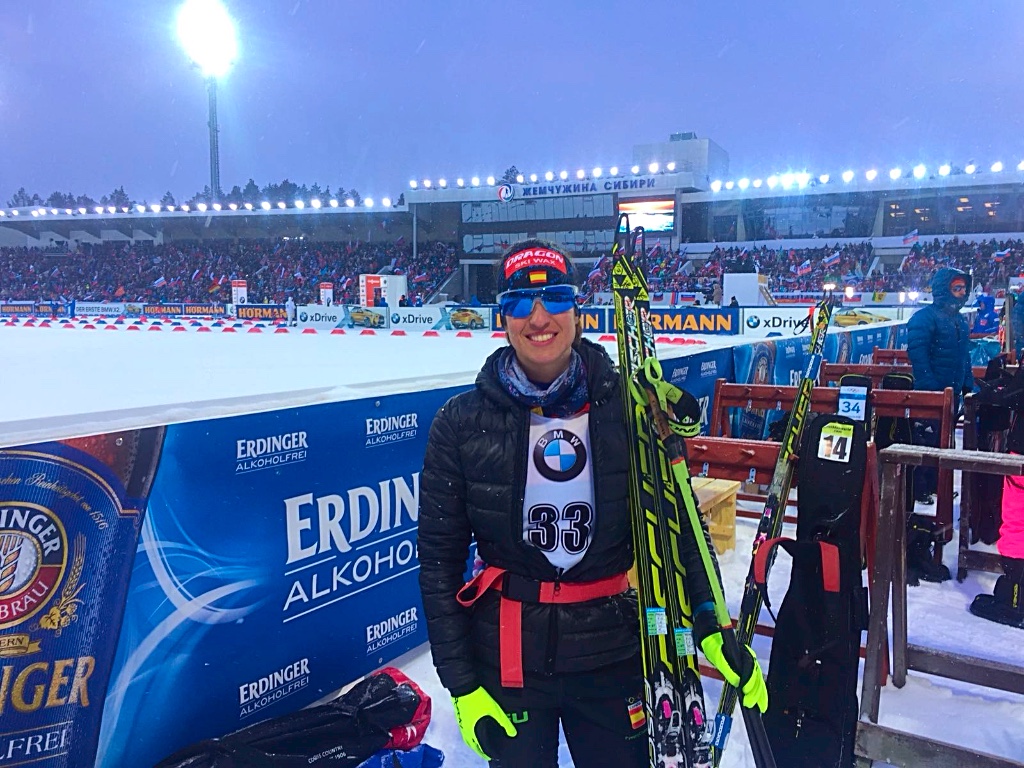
x=834 y=443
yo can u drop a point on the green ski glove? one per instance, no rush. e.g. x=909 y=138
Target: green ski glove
x=743 y=672
x=474 y=707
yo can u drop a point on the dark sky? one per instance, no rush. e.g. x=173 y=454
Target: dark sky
x=369 y=94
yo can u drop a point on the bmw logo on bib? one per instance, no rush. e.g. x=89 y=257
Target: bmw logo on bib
x=559 y=455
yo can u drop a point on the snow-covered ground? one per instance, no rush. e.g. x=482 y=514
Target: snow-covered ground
x=64 y=382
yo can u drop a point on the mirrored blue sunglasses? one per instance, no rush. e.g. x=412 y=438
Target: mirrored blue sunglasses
x=555 y=299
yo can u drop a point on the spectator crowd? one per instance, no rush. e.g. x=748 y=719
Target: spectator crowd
x=202 y=272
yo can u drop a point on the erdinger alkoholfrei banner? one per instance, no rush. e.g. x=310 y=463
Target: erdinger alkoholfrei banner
x=277 y=563
x=70 y=513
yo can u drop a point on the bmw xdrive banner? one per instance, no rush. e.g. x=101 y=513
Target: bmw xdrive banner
x=277 y=563
x=440 y=318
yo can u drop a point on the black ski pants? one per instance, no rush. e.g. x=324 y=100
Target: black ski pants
x=597 y=712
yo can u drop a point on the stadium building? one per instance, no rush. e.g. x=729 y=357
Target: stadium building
x=682 y=191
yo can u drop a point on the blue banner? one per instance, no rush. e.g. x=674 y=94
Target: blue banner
x=697 y=375
x=780 y=362
x=276 y=564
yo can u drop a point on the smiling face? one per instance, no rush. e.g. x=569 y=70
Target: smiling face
x=542 y=341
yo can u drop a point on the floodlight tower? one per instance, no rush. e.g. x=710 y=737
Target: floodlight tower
x=207 y=33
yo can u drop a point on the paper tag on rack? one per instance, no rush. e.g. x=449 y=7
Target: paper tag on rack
x=835 y=442
x=852 y=402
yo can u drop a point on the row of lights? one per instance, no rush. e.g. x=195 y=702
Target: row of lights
x=801 y=180
x=850 y=290
x=581 y=174
x=201 y=207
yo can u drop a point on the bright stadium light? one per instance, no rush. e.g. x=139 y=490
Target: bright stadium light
x=670 y=167
x=66 y=210
x=871 y=175
x=350 y=202
x=520 y=179
x=970 y=168
x=201 y=206
x=475 y=181
x=170 y=207
x=913 y=295
x=413 y=183
x=207 y=33
x=997 y=167
x=1020 y=165
x=99 y=209
x=730 y=184
x=333 y=203
x=386 y=202
x=944 y=169
x=426 y=183
x=533 y=178
x=895 y=173
x=281 y=204
x=233 y=206
x=315 y=202
x=265 y=205
x=563 y=175
x=614 y=170
x=142 y=209
x=743 y=183
x=368 y=202
x=635 y=169
x=847 y=176
x=716 y=185
x=848 y=291
x=803 y=179
x=549 y=176
x=772 y=181
x=460 y=182
x=756 y=183
x=124 y=209
x=920 y=171
x=581 y=174
x=34 y=213
x=823 y=179
x=490 y=181
x=652 y=168
x=185 y=208
x=82 y=211
x=829 y=286
x=216 y=206
x=300 y=204
x=111 y=209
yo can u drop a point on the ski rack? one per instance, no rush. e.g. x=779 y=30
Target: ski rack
x=729 y=458
x=877 y=742
x=937 y=406
x=891 y=357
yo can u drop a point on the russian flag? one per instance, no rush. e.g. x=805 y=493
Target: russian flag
x=1000 y=255
x=160 y=282
x=805 y=268
x=910 y=237
x=831 y=260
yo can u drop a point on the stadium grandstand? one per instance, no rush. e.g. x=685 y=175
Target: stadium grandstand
x=874 y=229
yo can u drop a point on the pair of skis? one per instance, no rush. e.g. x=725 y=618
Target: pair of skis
x=770 y=524
x=665 y=514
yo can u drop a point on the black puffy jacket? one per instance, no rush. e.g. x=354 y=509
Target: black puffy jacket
x=473 y=482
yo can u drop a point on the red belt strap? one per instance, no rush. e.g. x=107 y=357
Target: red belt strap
x=829 y=562
x=510 y=610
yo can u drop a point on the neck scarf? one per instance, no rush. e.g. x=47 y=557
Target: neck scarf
x=563 y=397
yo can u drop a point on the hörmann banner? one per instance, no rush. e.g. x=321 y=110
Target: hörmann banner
x=694 y=320
x=276 y=564
x=261 y=312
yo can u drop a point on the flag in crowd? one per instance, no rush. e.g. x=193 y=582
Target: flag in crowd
x=805 y=268
x=1000 y=255
x=832 y=260
x=160 y=282
x=910 y=237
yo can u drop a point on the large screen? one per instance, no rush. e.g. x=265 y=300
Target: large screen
x=652 y=215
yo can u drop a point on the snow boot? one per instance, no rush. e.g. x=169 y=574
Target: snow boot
x=1006 y=604
x=921 y=539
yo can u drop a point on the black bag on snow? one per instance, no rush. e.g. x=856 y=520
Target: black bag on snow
x=384 y=710
x=812 y=679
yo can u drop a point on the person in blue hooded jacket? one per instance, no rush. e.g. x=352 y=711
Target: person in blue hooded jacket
x=938 y=344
